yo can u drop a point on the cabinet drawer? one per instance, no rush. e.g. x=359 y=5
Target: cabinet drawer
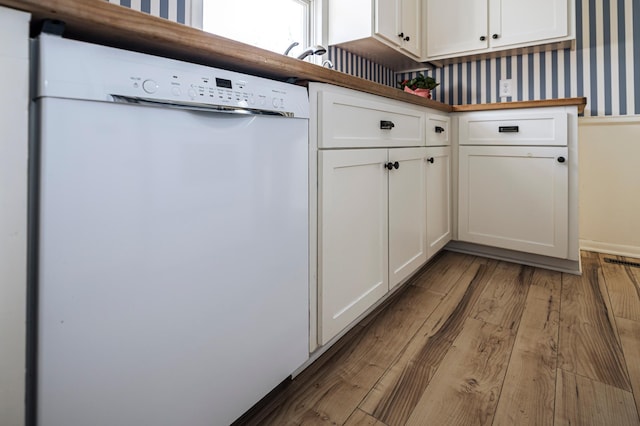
x=438 y=130
x=504 y=128
x=362 y=120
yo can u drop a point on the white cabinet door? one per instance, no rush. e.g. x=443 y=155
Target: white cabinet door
x=514 y=198
x=464 y=27
x=387 y=16
x=407 y=212
x=518 y=22
x=438 y=190
x=352 y=235
x=399 y=22
x=456 y=27
x=410 y=26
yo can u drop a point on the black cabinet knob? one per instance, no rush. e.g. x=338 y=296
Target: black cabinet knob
x=482 y=38
x=401 y=35
x=495 y=36
x=439 y=129
x=430 y=160
x=561 y=160
x=407 y=38
x=391 y=166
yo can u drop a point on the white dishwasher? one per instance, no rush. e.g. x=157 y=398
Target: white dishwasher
x=170 y=238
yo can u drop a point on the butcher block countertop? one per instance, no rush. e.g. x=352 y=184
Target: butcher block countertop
x=106 y=23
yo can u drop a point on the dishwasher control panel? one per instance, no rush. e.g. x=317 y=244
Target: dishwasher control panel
x=228 y=90
x=115 y=72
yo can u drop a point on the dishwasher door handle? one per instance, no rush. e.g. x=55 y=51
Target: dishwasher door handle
x=197 y=106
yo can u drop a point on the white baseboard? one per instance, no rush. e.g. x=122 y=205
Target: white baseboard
x=552 y=263
x=617 y=249
x=607 y=120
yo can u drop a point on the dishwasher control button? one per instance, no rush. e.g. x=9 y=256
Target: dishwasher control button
x=150 y=86
x=176 y=91
x=275 y=102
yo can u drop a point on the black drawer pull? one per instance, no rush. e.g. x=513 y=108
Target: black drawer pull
x=508 y=129
x=439 y=129
x=386 y=125
x=430 y=160
x=561 y=159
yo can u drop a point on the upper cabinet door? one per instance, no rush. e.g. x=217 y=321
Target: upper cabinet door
x=387 y=20
x=515 y=22
x=410 y=26
x=456 y=26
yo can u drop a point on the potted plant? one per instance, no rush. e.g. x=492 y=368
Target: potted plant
x=419 y=85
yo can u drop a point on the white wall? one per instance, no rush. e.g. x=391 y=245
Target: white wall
x=14 y=63
x=609 y=158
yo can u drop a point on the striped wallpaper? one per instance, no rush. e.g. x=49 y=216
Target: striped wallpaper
x=353 y=64
x=175 y=10
x=604 y=66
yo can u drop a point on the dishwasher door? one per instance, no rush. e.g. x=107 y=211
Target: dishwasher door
x=173 y=262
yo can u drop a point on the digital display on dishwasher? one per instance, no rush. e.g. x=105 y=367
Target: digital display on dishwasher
x=221 y=82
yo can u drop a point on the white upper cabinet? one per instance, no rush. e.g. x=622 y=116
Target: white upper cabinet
x=410 y=26
x=386 y=16
x=387 y=31
x=513 y=22
x=464 y=27
x=398 y=21
x=456 y=27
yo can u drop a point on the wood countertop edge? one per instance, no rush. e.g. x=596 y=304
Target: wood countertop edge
x=579 y=102
x=106 y=23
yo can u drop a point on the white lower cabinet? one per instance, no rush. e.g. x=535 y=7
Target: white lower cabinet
x=517 y=182
x=515 y=197
x=383 y=198
x=352 y=236
x=407 y=212
x=371 y=229
x=439 y=202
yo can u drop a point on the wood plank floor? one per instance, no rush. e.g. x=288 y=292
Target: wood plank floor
x=474 y=341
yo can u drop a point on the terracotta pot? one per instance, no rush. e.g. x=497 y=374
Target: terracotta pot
x=425 y=93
